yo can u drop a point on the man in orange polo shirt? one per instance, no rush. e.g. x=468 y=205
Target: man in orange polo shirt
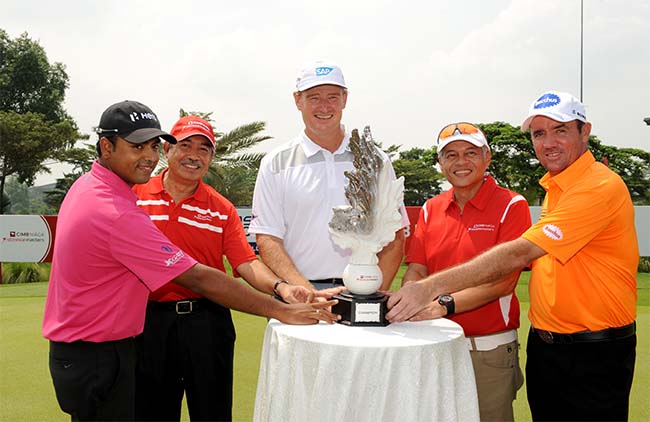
x=584 y=254
x=471 y=217
x=188 y=342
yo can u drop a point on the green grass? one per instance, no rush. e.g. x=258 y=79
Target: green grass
x=26 y=392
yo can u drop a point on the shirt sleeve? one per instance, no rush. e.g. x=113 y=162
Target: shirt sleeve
x=138 y=245
x=515 y=220
x=267 y=213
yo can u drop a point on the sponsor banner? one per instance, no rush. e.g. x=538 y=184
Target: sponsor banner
x=245 y=216
x=26 y=238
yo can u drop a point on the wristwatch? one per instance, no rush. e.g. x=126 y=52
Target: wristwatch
x=276 y=285
x=448 y=302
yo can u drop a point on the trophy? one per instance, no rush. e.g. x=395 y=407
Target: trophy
x=364 y=227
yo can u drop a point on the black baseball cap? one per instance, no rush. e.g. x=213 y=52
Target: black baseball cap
x=132 y=121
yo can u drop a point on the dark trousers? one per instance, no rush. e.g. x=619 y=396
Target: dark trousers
x=94 y=381
x=191 y=353
x=580 y=381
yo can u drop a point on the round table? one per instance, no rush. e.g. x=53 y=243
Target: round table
x=411 y=371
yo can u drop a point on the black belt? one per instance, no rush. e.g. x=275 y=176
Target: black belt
x=607 y=334
x=329 y=281
x=181 y=307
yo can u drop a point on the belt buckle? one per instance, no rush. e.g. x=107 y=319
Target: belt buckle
x=546 y=336
x=182 y=309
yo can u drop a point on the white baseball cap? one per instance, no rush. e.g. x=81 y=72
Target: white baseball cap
x=461 y=132
x=319 y=73
x=559 y=106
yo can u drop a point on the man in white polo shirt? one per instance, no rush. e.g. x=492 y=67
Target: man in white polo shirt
x=299 y=183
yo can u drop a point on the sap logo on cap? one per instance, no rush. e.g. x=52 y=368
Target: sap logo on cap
x=166 y=248
x=547 y=100
x=552 y=231
x=322 y=71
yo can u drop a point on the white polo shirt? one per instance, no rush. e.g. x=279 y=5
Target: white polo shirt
x=297 y=186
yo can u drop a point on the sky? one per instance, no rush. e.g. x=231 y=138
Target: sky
x=411 y=66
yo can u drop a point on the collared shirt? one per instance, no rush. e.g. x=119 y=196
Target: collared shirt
x=108 y=256
x=587 y=280
x=445 y=236
x=297 y=186
x=205 y=224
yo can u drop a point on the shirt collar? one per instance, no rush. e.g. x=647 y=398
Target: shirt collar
x=311 y=148
x=114 y=181
x=480 y=200
x=570 y=175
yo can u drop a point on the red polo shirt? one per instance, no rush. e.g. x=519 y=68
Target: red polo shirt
x=206 y=225
x=445 y=237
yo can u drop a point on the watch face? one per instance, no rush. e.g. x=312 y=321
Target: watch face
x=448 y=302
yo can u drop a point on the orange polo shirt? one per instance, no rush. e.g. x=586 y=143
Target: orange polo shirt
x=587 y=280
x=205 y=225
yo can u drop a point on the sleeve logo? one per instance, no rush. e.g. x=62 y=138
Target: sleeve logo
x=553 y=232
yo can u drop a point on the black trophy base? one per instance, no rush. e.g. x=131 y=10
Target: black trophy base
x=362 y=310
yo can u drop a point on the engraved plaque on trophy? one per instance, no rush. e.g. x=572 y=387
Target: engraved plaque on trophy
x=365 y=226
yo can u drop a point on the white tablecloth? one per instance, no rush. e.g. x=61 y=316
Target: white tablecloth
x=412 y=371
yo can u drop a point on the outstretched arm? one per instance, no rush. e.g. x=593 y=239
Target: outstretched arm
x=489 y=267
x=223 y=289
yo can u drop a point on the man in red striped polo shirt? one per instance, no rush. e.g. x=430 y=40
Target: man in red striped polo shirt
x=188 y=342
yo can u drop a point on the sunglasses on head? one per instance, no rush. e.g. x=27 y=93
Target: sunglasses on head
x=462 y=128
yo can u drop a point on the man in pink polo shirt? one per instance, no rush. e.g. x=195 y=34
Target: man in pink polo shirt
x=107 y=259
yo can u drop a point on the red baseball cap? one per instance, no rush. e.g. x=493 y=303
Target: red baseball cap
x=193 y=125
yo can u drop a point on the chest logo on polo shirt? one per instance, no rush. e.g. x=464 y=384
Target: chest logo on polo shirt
x=481 y=227
x=553 y=232
x=201 y=217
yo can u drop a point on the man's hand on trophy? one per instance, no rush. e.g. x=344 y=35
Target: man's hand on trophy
x=291 y=293
x=408 y=301
x=329 y=293
x=308 y=313
x=433 y=310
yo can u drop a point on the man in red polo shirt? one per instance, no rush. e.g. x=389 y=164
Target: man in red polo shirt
x=474 y=215
x=188 y=342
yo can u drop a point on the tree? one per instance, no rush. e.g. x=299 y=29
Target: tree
x=421 y=179
x=514 y=164
x=633 y=165
x=34 y=126
x=25 y=200
x=81 y=160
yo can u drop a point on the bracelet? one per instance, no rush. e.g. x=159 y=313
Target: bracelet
x=275 y=286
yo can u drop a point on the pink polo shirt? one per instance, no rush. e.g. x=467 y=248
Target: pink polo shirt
x=108 y=257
